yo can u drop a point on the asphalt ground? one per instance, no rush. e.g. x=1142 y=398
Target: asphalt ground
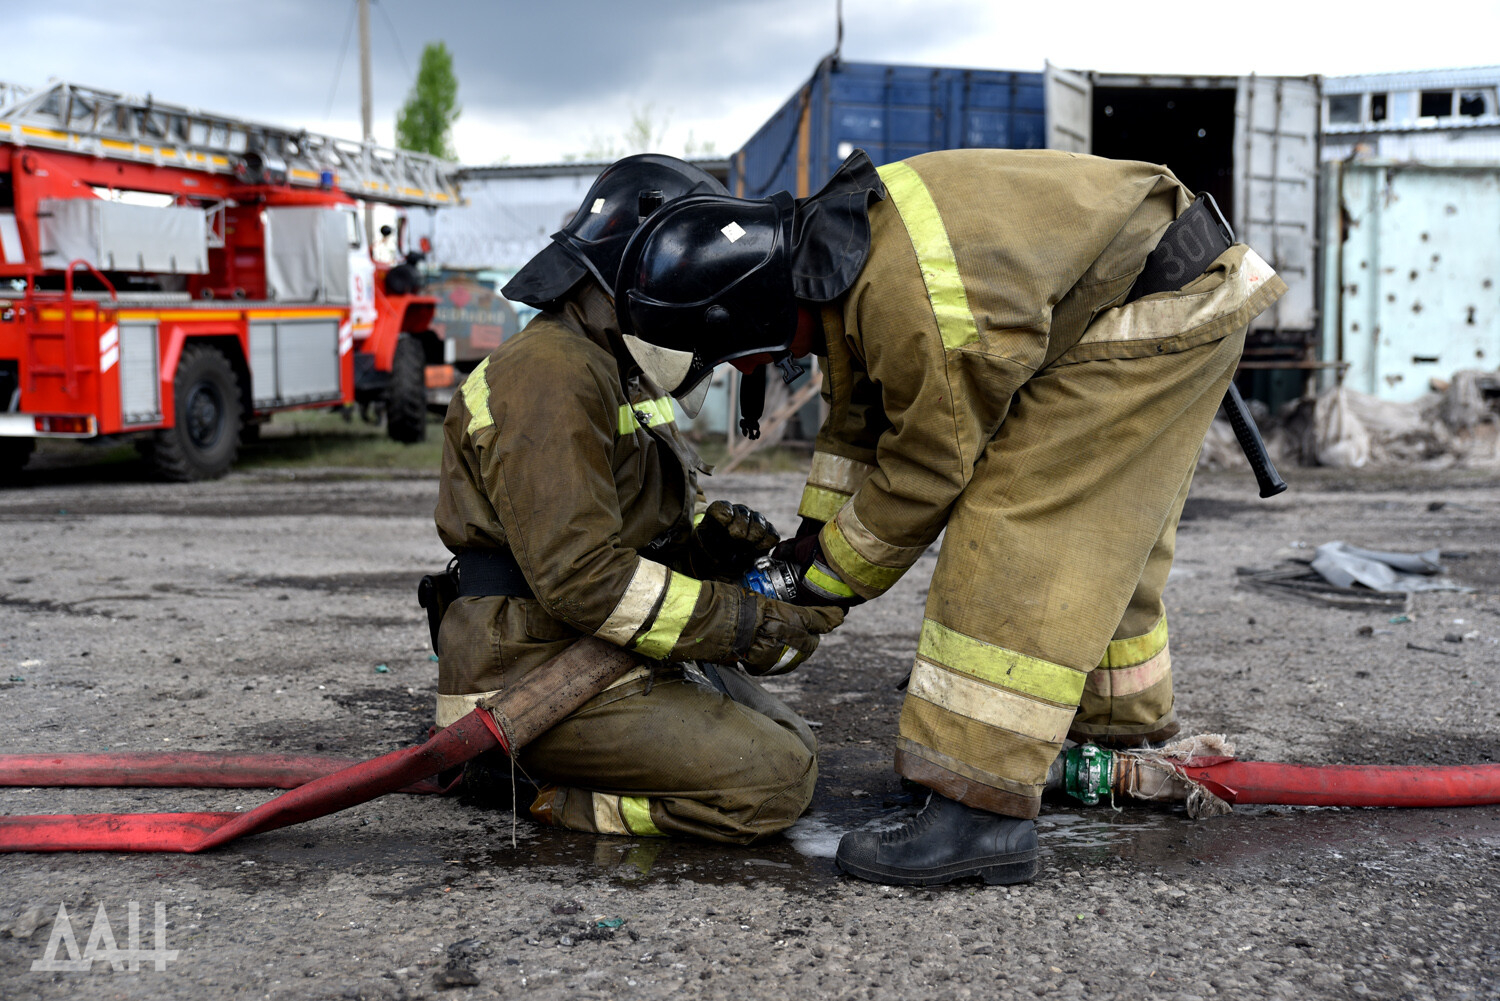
x=274 y=610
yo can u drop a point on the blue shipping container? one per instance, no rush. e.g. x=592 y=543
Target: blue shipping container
x=891 y=112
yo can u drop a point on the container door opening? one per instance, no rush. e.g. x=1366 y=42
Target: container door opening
x=1189 y=129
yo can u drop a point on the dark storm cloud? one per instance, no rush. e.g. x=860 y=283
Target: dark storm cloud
x=284 y=60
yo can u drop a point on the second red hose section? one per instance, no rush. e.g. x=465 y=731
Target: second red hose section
x=1349 y=785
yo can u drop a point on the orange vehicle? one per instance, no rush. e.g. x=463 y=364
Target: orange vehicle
x=175 y=278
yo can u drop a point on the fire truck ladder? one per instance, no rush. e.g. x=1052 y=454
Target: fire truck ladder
x=77 y=119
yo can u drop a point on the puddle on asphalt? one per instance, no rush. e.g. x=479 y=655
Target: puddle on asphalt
x=1262 y=841
x=1252 y=842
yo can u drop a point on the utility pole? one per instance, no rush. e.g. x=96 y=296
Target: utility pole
x=366 y=102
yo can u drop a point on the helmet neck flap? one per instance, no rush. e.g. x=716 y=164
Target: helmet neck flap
x=831 y=231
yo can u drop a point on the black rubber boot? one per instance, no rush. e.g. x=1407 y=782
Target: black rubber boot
x=946 y=841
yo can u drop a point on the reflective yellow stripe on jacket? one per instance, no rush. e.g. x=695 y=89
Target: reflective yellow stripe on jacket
x=476 y=392
x=656 y=412
x=867 y=563
x=830 y=483
x=929 y=239
x=819 y=578
x=653 y=611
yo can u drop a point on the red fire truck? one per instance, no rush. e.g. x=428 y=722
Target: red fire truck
x=176 y=277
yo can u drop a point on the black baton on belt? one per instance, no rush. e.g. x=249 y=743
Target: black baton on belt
x=1184 y=252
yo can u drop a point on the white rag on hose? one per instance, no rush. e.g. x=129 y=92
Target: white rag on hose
x=1155 y=775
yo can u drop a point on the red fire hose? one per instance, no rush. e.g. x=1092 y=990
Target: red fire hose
x=1237 y=781
x=322 y=785
x=194 y=832
x=190 y=769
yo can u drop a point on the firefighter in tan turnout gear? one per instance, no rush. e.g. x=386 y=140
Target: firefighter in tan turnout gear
x=572 y=504
x=992 y=372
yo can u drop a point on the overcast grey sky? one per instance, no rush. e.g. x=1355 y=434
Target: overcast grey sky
x=540 y=80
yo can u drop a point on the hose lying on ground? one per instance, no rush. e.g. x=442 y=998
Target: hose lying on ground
x=1203 y=771
x=186 y=769
x=508 y=722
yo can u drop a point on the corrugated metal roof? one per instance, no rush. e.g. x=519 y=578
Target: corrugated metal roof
x=1444 y=124
x=1413 y=80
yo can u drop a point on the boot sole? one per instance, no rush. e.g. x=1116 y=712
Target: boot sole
x=995 y=870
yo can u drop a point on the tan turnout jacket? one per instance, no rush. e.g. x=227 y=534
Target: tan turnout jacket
x=985 y=266
x=598 y=533
x=984 y=378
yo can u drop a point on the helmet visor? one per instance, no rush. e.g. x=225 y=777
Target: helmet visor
x=670 y=369
x=667 y=367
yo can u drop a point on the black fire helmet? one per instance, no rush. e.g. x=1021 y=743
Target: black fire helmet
x=624 y=194
x=711 y=278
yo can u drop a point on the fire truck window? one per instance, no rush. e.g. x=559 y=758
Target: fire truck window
x=352 y=227
x=1377 y=107
x=1471 y=103
x=1437 y=103
x=1343 y=109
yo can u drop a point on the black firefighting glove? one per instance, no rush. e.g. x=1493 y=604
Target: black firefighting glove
x=776 y=637
x=817 y=582
x=728 y=540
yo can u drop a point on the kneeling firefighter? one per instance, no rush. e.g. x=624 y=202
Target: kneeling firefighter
x=571 y=503
x=1024 y=349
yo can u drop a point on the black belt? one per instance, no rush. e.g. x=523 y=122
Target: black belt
x=1185 y=250
x=491 y=571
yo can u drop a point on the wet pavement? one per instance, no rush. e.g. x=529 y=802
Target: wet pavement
x=266 y=612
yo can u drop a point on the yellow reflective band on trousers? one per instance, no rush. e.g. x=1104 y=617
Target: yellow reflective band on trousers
x=477 y=398
x=820 y=503
x=636 y=812
x=1136 y=649
x=620 y=815
x=929 y=239
x=852 y=564
x=657 y=412
x=1118 y=682
x=967 y=696
x=1133 y=665
x=676 y=608
x=999 y=666
x=828 y=582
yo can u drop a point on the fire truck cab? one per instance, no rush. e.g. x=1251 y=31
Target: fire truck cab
x=177 y=278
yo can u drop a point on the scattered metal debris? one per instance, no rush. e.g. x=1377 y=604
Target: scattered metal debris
x=1346 y=576
x=1301 y=581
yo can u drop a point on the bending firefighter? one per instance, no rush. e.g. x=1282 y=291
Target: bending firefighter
x=1002 y=363
x=572 y=505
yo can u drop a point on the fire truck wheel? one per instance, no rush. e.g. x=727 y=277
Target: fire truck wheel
x=406 y=399
x=14 y=452
x=206 y=437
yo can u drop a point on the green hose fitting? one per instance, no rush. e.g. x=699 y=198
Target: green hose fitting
x=1088 y=772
